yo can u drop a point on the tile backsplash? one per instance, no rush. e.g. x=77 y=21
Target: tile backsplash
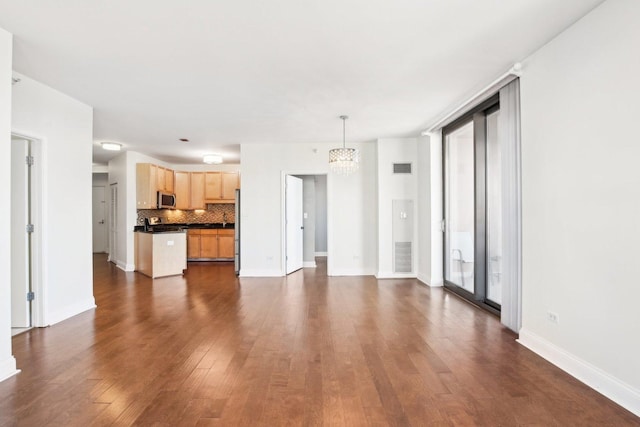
x=213 y=213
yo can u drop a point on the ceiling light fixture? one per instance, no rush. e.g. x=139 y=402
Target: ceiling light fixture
x=344 y=161
x=212 y=159
x=111 y=146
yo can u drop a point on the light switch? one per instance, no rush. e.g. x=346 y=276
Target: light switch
x=305 y=216
x=169 y=242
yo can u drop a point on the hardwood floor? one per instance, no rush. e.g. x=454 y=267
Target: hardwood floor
x=209 y=349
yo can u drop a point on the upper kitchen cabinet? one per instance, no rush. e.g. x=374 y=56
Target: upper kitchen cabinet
x=165 y=179
x=197 y=190
x=150 y=179
x=146 y=186
x=220 y=187
x=189 y=188
x=182 y=187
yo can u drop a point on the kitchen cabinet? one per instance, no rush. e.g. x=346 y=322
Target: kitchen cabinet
x=197 y=180
x=164 y=179
x=226 y=243
x=220 y=187
x=146 y=186
x=150 y=179
x=210 y=244
x=182 y=187
x=160 y=254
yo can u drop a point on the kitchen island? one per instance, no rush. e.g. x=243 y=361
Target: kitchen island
x=160 y=254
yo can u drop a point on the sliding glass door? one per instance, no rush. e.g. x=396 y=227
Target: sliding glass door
x=472 y=204
x=459 y=201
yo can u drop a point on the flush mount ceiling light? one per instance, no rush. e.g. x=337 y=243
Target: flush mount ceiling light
x=344 y=161
x=212 y=159
x=111 y=146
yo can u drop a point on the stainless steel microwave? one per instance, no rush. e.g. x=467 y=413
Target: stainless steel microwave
x=166 y=200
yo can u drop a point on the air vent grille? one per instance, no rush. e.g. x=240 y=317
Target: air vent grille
x=402 y=168
x=402 y=257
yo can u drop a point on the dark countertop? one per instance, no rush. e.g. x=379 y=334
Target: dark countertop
x=178 y=227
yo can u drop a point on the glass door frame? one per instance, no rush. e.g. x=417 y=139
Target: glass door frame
x=477 y=115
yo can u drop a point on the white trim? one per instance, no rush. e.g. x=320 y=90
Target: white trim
x=477 y=98
x=8 y=368
x=352 y=272
x=308 y=264
x=260 y=273
x=430 y=283
x=623 y=394
x=124 y=266
x=321 y=254
x=40 y=220
x=391 y=275
x=71 y=311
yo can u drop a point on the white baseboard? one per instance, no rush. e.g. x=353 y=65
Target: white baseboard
x=623 y=394
x=351 y=272
x=70 y=311
x=432 y=284
x=260 y=273
x=321 y=253
x=309 y=264
x=8 y=368
x=391 y=275
x=124 y=266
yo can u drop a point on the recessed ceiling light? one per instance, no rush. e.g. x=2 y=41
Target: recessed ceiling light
x=212 y=159
x=111 y=146
x=184 y=139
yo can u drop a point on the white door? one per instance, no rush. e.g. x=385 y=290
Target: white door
x=294 y=229
x=99 y=215
x=20 y=239
x=113 y=225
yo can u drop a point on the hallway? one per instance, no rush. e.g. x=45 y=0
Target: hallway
x=211 y=349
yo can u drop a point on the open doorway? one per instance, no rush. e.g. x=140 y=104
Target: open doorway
x=304 y=220
x=26 y=233
x=99 y=213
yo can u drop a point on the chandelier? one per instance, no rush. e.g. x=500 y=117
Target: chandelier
x=344 y=161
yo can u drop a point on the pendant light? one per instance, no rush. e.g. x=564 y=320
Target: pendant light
x=344 y=161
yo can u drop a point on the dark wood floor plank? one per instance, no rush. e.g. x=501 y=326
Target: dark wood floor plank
x=209 y=349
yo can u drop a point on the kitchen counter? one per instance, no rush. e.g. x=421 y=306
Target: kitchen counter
x=177 y=227
x=160 y=254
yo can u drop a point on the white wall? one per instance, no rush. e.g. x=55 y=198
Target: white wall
x=351 y=207
x=321 y=214
x=395 y=187
x=65 y=128
x=423 y=223
x=122 y=171
x=581 y=200
x=7 y=361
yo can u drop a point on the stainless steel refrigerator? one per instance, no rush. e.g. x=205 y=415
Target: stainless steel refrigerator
x=238 y=229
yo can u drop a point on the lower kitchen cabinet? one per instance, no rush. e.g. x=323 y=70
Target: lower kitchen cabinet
x=210 y=244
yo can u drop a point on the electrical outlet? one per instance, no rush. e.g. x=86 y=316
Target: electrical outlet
x=553 y=317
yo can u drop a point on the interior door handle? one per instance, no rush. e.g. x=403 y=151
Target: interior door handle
x=101 y=221
x=302 y=228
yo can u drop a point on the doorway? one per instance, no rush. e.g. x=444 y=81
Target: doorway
x=304 y=221
x=99 y=213
x=473 y=206
x=26 y=234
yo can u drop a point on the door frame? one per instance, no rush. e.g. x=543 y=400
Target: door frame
x=39 y=220
x=283 y=219
x=293 y=234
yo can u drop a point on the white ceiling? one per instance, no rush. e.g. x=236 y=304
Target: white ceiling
x=227 y=72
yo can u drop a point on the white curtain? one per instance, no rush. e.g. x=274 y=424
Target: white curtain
x=509 y=137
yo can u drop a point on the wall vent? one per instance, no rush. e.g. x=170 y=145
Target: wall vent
x=402 y=257
x=402 y=168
